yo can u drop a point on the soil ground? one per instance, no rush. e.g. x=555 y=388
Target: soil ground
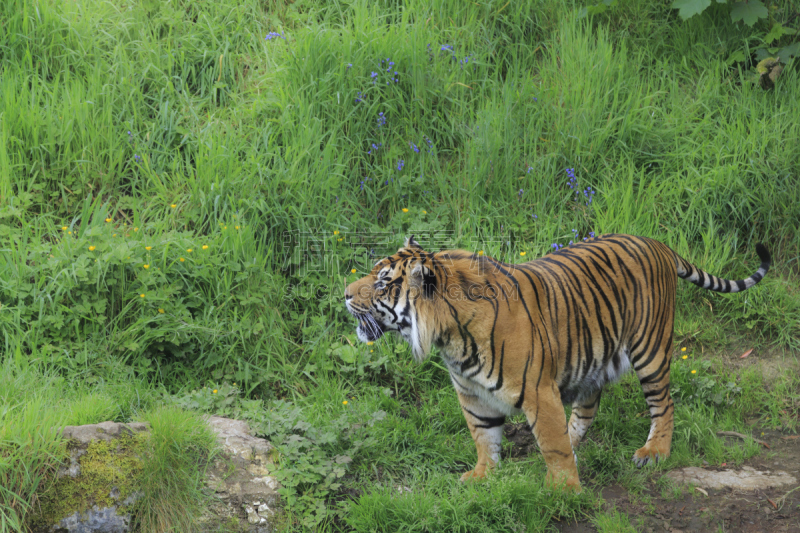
x=759 y=511
x=730 y=510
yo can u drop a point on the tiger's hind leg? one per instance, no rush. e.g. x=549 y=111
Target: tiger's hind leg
x=545 y=413
x=654 y=379
x=583 y=413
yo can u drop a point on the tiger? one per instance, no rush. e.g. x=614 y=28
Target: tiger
x=532 y=337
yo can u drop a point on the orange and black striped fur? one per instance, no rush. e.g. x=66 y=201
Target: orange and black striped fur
x=531 y=337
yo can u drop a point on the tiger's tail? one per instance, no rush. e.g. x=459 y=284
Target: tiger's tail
x=689 y=272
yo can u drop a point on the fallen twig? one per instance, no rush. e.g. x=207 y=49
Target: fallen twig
x=773 y=504
x=741 y=436
x=698 y=489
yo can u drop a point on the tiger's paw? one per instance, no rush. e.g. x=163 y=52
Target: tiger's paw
x=479 y=472
x=563 y=482
x=649 y=453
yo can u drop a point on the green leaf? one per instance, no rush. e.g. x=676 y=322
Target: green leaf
x=762 y=54
x=749 y=11
x=788 y=53
x=736 y=57
x=689 y=8
x=775 y=33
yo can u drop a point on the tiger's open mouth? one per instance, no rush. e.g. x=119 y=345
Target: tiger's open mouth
x=368 y=328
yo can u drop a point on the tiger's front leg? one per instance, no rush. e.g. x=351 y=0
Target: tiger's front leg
x=486 y=426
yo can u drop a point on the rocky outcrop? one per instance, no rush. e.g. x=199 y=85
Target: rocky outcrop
x=96 y=487
x=241 y=478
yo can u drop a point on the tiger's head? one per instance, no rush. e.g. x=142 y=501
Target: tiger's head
x=397 y=295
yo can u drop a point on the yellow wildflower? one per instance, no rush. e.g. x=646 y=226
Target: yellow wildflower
x=160 y=310
x=189 y=250
x=173 y=206
x=480 y=253
x=237 y=227
x=205 y=247
x=352 y=270
x=141 y=295
x=683 y=349
x=694 y=371
x=424 y=212
x=405 y=210
x=146 y=266
x=135 y=229
x=336 y=232
x=522 y=253
x=108 y=219
x=148 y=248
x=344 y=402
x=370 y=343
x=685 y=357
x=215 y=391
x=91 y=248
x=182 y=259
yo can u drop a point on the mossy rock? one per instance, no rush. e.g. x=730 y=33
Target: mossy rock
x=95 y=491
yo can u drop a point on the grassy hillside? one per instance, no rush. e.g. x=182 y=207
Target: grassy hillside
x=187 y=186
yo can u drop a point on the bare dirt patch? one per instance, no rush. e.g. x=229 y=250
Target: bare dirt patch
x=773 y=509
x=522 y=441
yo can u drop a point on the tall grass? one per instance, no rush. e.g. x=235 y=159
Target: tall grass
x=179 y=449
x=30 y=447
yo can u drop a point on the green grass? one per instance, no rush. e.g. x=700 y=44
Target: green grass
x=180 y=446
x=613 y=522
x=132 y=132
x=30 y=449
x=514 y=500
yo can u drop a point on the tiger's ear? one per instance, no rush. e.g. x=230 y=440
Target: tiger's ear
x=422 y=278
x=412 y=243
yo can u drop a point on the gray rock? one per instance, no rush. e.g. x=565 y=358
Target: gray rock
x=105 y=431
x=246 y=492
x=95 y=520
x=747 y=478
x=101 y=508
